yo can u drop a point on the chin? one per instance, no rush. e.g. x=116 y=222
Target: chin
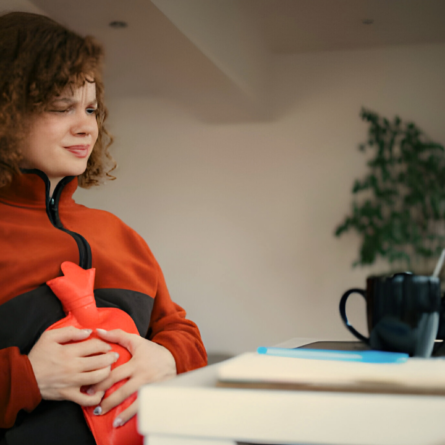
x=75 y=170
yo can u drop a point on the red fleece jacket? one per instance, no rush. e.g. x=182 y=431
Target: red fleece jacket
x=32 y=250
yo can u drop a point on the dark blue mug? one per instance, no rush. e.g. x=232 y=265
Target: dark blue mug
x=402 y=313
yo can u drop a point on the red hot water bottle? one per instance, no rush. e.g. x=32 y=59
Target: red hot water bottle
x=75 y=290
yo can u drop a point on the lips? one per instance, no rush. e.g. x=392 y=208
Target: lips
x=80 y=151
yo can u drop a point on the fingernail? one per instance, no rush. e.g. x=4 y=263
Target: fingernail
x=118 y=422
x=97 y=410
x=117 y=356
x=87 y=331
x=102 y=331
x=91 y=392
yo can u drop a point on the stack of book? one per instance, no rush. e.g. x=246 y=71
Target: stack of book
x=335 y=373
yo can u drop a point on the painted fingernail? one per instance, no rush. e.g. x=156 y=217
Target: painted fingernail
x=102 y=331
x=91 y=392
x=117 y=356
x=97 y=411
x=118 y=422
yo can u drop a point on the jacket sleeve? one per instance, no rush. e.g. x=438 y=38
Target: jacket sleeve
x=170 y=328
x=18 y=386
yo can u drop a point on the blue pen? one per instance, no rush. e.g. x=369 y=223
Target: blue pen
x=348 y=356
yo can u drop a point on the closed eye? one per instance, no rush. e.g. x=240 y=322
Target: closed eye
x=60 y=111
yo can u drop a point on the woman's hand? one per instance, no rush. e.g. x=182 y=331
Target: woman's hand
x=149 y=363
x=62 y=369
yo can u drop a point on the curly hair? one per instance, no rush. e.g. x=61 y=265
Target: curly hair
x=39 y=58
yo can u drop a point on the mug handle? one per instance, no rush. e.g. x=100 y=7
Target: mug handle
x=345 y=318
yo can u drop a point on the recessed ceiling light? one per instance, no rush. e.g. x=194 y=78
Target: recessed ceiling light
x=118 y=24
x=368 y=21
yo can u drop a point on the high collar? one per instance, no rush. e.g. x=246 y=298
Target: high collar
x=31 y=189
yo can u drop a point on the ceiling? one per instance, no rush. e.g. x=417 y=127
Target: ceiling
x=294 y=26
x=214 y=56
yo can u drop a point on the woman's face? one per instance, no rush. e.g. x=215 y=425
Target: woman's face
x=61 y=139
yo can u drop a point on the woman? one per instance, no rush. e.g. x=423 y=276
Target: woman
x=53 y=138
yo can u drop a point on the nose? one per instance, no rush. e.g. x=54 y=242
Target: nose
x=84 y=124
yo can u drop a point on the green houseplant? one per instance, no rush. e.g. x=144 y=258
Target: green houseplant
x=398 y=208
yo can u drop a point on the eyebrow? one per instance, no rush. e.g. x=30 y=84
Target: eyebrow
x=68 y=100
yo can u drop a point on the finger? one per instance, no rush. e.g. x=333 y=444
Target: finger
x=117 y=374
x=126 y=415
x=89 y=347
x=118 y=396
x=92 y=377
x=84 y=399
x=119 y=336
x=97 y=361
x=70 y=333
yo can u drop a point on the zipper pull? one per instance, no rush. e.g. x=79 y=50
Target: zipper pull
x=53 y=210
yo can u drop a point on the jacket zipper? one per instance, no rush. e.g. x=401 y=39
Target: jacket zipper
x=52 y=210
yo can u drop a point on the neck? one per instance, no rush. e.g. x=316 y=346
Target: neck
x=53 y=184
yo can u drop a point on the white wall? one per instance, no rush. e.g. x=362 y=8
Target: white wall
x=241 y=217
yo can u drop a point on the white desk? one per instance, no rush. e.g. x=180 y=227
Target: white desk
x=190 y=410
